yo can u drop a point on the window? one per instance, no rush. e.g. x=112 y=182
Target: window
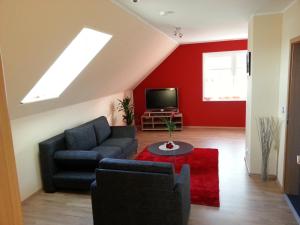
x=77 y=55
x=224 y=76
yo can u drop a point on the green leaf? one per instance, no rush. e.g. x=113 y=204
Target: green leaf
x=126 y=106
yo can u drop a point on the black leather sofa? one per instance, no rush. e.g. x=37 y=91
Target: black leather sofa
x=130 y=192
x=69 y=160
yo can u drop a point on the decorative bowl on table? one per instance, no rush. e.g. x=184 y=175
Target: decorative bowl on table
x=168 y=146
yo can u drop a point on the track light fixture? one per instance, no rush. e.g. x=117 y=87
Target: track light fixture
x=177 y=32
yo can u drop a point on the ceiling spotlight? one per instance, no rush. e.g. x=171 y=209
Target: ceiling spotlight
x=177 y=32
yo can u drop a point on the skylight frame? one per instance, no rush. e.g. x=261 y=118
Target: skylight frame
x=68 y=66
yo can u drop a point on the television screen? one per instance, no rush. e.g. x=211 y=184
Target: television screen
x=163 y=98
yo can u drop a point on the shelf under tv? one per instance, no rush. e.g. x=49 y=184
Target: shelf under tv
x=152 y=120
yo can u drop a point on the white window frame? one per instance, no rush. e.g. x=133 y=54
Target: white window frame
x=233 y=69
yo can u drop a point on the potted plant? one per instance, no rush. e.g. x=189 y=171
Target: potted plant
x=126 y=106
x=171 y=126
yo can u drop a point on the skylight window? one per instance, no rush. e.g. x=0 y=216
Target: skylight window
x=78 y=54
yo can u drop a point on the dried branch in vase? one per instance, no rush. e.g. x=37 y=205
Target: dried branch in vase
x=268 y=131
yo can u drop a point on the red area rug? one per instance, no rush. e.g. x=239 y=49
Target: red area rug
x=204 y=173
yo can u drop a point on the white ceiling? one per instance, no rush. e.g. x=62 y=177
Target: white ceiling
x=203 y=20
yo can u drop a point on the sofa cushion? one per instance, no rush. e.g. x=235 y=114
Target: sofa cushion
x=120 y=142
x=108 y=151
x=102 y=129
x=81 y=138
x=78 y=159
x=131 y=148
x=74 y=179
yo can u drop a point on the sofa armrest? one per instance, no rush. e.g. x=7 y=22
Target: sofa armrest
x=123 y=131
x=182 y=188
x=48 y=166
x=182 y=183
x=93 y=187
x=77 y=159
x=96 y=203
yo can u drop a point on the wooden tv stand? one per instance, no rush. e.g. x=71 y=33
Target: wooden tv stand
x=154 y=120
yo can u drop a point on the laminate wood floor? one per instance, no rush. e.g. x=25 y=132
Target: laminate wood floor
x=244 y=200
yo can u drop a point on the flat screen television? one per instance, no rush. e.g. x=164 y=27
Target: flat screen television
x=162 y=99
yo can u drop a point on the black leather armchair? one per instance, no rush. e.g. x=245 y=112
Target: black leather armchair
x=130 y=192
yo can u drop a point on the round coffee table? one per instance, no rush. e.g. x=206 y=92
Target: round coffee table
x=184 y=148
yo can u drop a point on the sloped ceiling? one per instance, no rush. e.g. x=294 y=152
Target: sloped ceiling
x=33 y=33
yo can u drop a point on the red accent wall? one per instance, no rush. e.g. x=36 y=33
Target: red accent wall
x=183 y=70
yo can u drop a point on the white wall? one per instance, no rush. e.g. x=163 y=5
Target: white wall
x=290 y=30
x=264 y=43
x=29 y=131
